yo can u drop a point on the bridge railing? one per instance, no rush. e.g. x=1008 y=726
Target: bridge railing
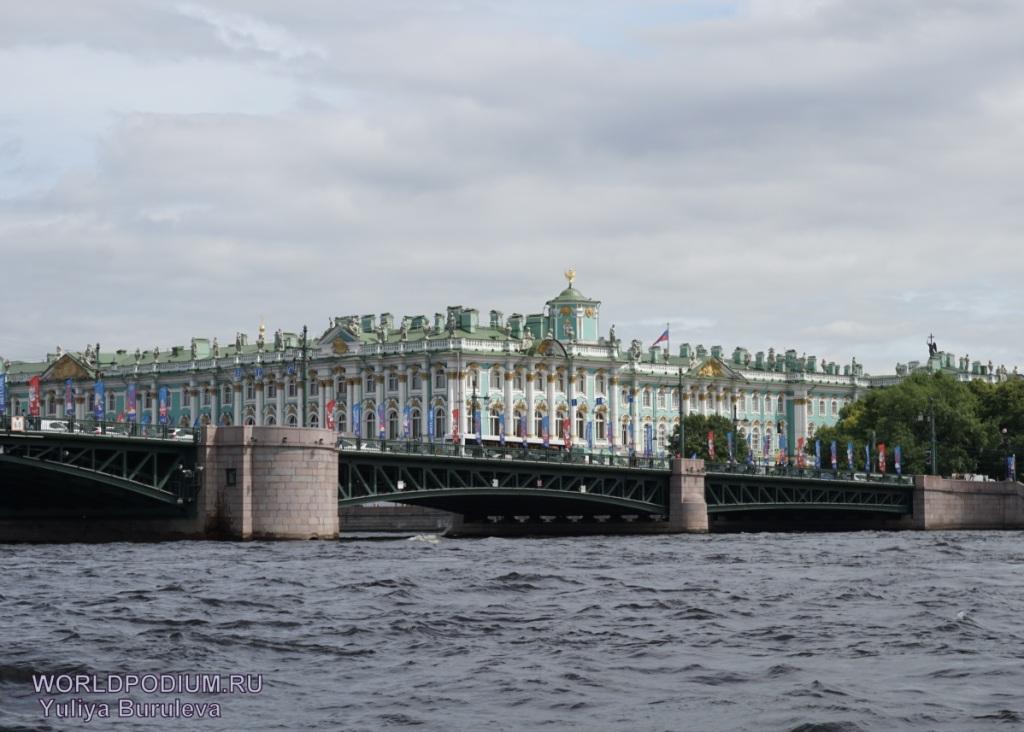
x=792 y=471
x=89 y=426
x=508 y=452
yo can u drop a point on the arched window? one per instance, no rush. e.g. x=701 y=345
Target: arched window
x=559 y=430
x=517 y=428
x=821 y=407
x=625 y=434
x=292 y=420
x=599 y=384
x=393 y=425
x=416 y=426
x=440 y=381
x=519 y=380
x=769 y=402
x=662 y=436
x=371 y=423
x=495 y=421
x=473 y=382
x=370 y=387
x=757 y=404
x=538 y=423
x=661 y=398
x=581 y=382
x=225 y=419
x=341 y=420
x=647 y=398
x=756 y=439
x=599 y=425
x=439 y=422
x=314 y=420
x=581 y=422
x=270 y=421
x=782 y=404
x=496 y=381
x=835 y=407
x=560 y=381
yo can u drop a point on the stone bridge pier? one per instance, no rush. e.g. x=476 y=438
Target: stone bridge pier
x=687 y=507
x=269 y=482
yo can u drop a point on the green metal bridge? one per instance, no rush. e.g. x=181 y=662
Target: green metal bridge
x=477 y=480
x=51 y=474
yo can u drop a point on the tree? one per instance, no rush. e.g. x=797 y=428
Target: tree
x=697 y=428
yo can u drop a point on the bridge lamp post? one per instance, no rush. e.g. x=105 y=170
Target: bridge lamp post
x=682 y=424
x=931 y=418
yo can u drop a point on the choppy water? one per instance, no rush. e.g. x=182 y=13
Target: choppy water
x=847 y=632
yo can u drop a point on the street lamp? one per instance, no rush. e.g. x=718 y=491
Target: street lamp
x=931 y=418
x=682 y=425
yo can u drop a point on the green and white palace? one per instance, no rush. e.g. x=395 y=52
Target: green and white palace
x=554 y=373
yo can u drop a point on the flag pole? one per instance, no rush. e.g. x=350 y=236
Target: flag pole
x=668 y=340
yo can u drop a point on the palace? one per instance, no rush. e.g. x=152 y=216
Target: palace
x=551 y=377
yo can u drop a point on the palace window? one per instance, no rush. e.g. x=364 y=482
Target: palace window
x=495 y=422
x=371 y=423
x=821 y=407
x=538 y=423
x=675 y=399
x=661 y=399
x=625 y=434
x=227 y=395
x=560 y=382
x=293 y=388
x=599 y=425
x=417 y=381
x=647 y=397
x=757 y=404
x=314 y=420
x=393 y=425
x=581 y=425
x=599 y=384
x=271 y=390
x=341 y=421
x=111 y=403
x=314 y=388
x=292 y=420
x=371 y=385
x=581 y=383
x=693 y=402
x=440 y=382
x=250 y=391
x=206 y=397
x=560 y=426
x=517 y=428
x=392 y=381
x=662 y=436
x=495 y=381
x=473 y=382
x=835 y=407
x=439 y=423
x=782 y=404
x=519 y=380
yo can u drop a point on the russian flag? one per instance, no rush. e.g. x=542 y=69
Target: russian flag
x=662 y=337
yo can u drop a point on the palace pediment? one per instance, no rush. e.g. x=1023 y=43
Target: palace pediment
x=68 y=367
x=714 y=368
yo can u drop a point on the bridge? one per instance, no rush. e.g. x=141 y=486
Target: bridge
x=102 y=472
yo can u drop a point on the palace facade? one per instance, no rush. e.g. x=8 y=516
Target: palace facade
x=550 y=377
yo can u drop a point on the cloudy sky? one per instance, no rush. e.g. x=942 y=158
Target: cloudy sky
x=838 y=177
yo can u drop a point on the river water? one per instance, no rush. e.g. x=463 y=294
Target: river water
x=844 y=632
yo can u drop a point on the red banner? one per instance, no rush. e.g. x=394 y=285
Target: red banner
x=330 y=414
x=711 y=445
x=881 y=457
x=33 y=396
x=566 y=434
x=800 y=452
x=455 y=425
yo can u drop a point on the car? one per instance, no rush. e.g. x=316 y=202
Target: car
x=177 y=433
x=53 y=425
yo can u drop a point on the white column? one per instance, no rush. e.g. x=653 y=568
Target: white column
x=258 y=386
x=352 y=394
x=613 y=426
x=552 y=415
x=634 y=413
x=403 y=397
x=531 y=426
x=214 y=388
x=237 y=389
x=570 y=394
x=379 y=380
x=452 y=377
x=510 y=428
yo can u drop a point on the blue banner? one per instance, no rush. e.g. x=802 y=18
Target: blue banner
x=767 y=444
x=899 y=460
x=522 y=427
x=544 y=430
x=1011 y=467
x=238 y=373
x=750 y=448
x=164 y=396
x=867 y=459
x=406 y=416
x=501 y=429
x=476 y=426
x=131 y=403
x=99 y=401
x=849 y=456
x=648 y=440
x=382 y=428
x=430 y=424
x=147 y=418
x=259 y=373
x=782 y=442
x=835 y=456
x=69 y=398
x=589 y=430
x=3 y=393
x=728 y=439
x=817 y=454
x=357 y=419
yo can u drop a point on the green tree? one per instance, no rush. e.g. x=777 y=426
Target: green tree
x=697 y=428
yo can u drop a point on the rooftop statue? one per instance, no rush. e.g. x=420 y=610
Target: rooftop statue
x=216 y=348
x=570 y=274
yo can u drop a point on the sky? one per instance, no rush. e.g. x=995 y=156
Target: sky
x=842 y=178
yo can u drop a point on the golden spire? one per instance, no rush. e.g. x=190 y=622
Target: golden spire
x=263 y=328
x=570 y=274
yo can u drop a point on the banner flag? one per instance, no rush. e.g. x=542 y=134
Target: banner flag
x=33 y=396
x=330 y=407
x=99 y=401
x=849 y=456
x=589 y=429
x=728 y=439
x=711 y=445
x=522 y=427
x=663 y=338
x=431 y=429
x=357 y=419
x=477 y=427
x=238 y=373
x=1011 y=467
x=835 y=455
x=163 y=396
x=867 y=458
x=544 y=430
x=501 y=429
x=406 y=421
x=817 y=454
x=455 y=424
x=382 y=427
x=258 y=373
x=766 y=445
x=782 y=442
x=3 y=393
x=801 y=459
x=881 y=457
x=567 y=433
x=898 y=460
x=648 y=439
x=130 y=402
